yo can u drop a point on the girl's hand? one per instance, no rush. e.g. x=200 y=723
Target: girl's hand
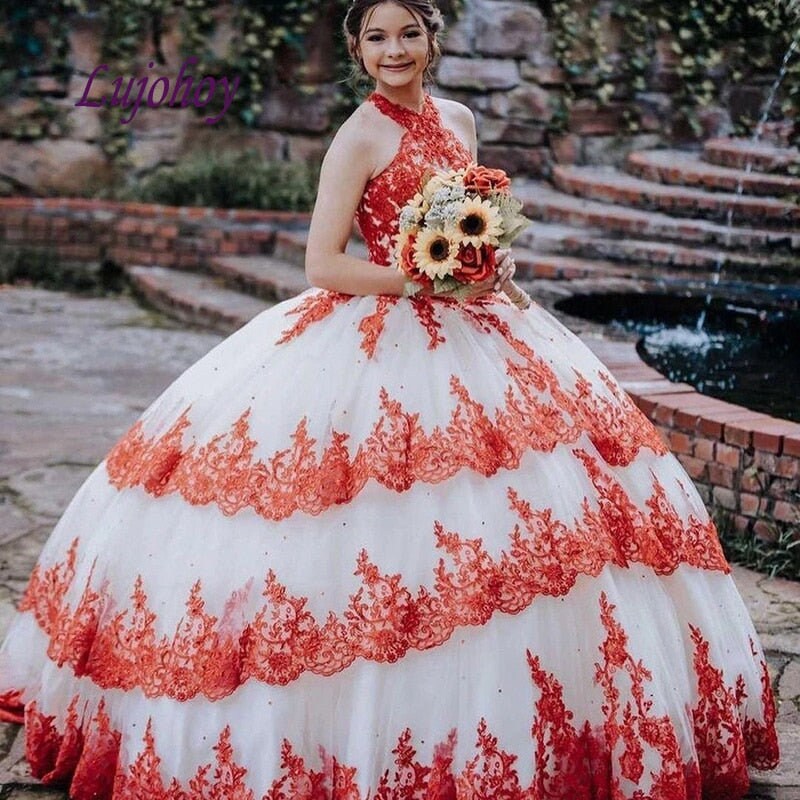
x=505 y=272
x=506 y=267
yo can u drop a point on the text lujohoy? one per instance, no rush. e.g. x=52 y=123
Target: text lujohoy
x=184 y=92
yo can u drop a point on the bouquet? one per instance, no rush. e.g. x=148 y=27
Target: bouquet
x=451 y=229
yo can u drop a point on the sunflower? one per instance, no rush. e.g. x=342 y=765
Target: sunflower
x=479 y=222
x=435 y=254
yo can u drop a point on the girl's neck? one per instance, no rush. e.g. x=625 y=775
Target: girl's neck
x=412 y=97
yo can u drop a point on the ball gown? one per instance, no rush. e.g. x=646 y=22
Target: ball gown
x=385 y=547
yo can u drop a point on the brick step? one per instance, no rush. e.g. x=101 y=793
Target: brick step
x=196 y=299
x=542 y=202
x=762 y=156
x=265 y=277
x=609 y=185
x=645 y=254
x=687 y=168
x=535 y=265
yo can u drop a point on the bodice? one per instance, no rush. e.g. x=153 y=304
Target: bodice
x=426 y=144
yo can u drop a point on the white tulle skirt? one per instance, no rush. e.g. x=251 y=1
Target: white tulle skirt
x=373 y=547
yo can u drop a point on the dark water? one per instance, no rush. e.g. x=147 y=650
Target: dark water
x=745 y=355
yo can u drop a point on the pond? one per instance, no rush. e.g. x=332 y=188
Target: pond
x=732 y=349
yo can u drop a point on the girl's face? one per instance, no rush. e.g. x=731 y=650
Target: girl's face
x=394 y=46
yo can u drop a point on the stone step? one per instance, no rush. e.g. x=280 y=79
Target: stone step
x=266 y=277
x=196 y=299
x=645 y=254
x=609 y=185
x=687 y=168
x=762 y=156
x=542 y=202
x=533 y=264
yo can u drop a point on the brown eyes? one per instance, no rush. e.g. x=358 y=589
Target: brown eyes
x=377 y=37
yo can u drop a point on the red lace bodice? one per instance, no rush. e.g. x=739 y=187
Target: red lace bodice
x=426 y=144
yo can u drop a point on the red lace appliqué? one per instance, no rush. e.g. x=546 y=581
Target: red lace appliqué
x=311 y=309
x=384 y=620
x=397 y=453
x=572 y=761
x=426 y=144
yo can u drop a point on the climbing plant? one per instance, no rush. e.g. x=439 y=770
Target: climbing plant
x=32 y=34
x=706 y=44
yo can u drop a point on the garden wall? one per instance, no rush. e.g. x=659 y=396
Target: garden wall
x=501 y=58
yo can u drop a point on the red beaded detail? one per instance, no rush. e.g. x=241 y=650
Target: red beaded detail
x=426 y=145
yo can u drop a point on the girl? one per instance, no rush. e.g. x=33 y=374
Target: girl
x=384 y=546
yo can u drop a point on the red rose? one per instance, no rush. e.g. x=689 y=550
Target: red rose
x=477 y=264
x=484 y=180
x=409 y=267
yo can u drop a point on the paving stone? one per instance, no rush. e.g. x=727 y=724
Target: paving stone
x=786 y=777
x=790 y=682
x=48 y=489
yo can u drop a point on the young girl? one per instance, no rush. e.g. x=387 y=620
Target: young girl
x=379 y=546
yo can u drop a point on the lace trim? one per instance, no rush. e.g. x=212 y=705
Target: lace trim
x=383 y=621
x=398 y=452
x=573 y=761
x=426 y=144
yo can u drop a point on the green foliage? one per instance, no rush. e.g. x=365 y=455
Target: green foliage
x=34 y=35
x=232 y=180
x=710 y=44
x=44 y=268
x=779 y=556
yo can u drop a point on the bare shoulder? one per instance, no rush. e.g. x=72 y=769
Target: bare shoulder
x=460 y=119
x=354 y=131
x=455 y=110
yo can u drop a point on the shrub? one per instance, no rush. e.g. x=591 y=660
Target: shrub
x=232 y=180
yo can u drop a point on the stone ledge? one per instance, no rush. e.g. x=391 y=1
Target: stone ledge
x=151 y=210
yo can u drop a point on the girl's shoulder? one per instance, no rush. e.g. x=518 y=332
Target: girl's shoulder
x=451 y=106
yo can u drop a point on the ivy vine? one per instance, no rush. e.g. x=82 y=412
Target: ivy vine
x=32 y=35
x=708 y=45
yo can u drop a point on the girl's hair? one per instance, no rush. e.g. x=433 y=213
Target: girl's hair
x=424 y=10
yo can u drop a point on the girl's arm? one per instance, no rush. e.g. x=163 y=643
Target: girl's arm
x=345 y=170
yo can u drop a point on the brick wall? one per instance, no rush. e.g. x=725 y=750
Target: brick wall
x=746 y=463
x=138 y=233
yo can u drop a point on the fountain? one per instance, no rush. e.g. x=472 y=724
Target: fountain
x=741 y=344
x=748 y=167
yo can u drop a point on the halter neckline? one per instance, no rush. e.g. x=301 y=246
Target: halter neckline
x=379 y=98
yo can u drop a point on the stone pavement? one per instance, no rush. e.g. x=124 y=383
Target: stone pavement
x=76 y=372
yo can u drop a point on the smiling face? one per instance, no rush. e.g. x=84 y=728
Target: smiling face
x=394 y=46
